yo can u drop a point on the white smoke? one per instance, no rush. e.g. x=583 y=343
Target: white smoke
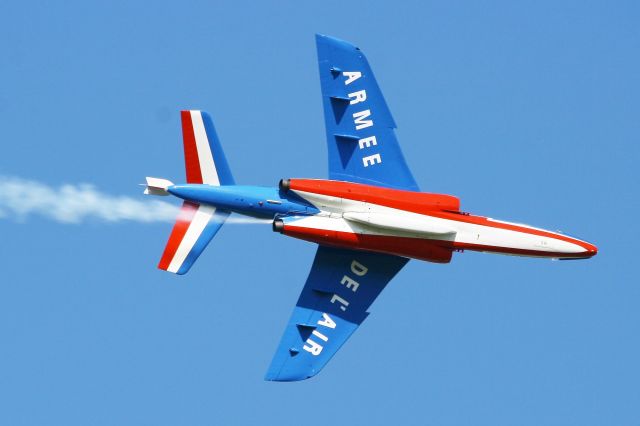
x=247 y=220
x=21 y=198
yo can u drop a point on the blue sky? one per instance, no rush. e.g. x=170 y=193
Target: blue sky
x=528 y=111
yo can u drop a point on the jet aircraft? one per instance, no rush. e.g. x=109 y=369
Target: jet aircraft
x=368 y=219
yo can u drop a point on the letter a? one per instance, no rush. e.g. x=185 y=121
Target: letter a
x=351 y=76
x=327 y=322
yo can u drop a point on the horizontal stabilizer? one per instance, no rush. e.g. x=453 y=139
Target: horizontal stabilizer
x=195 y=226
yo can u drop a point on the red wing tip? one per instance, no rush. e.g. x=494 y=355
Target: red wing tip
x=163 y=266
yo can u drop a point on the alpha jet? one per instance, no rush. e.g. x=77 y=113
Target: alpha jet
x=368 y=219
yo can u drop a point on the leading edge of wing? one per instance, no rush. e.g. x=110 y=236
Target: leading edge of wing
x=361 y=141
x=341 y=286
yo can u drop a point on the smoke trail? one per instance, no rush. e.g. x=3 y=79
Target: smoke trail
x=246 y=220
x=20 y=198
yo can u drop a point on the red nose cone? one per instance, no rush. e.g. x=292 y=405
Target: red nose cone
x=590 y=249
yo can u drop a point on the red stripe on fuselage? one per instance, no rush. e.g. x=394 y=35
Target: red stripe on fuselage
x=187 y=212
x=517 y=252
x=418 y=202
x=435 y=205
x=417 y=248
x=191 y=160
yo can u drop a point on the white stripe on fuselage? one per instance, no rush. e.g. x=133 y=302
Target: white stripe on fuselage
x=205 y=158
x=333 y=208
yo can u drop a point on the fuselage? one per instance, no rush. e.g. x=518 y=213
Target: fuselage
x=412 y=224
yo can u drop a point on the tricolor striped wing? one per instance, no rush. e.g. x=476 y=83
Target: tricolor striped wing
x=195 y=226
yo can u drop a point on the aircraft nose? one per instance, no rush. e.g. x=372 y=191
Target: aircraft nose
x=590 y=249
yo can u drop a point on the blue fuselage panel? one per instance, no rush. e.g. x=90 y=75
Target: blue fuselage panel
x=254 y=201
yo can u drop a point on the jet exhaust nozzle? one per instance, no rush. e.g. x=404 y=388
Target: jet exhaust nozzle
x=278 y=225
x=284 y=184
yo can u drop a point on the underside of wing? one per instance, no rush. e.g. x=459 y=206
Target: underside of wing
x=340 y=288
x=361 y=140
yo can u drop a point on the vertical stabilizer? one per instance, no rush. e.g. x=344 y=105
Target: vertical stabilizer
x=204 y=159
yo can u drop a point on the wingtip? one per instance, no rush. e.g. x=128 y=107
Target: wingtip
x=336 y=42
x=280 y=373
x=280 y=378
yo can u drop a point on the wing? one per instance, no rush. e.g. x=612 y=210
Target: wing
x=361 y=140
x=340 y=288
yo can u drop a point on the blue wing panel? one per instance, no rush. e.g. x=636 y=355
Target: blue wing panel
x=340 y=288
x=361 y=140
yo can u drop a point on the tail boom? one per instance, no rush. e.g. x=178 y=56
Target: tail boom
x=204 y=159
